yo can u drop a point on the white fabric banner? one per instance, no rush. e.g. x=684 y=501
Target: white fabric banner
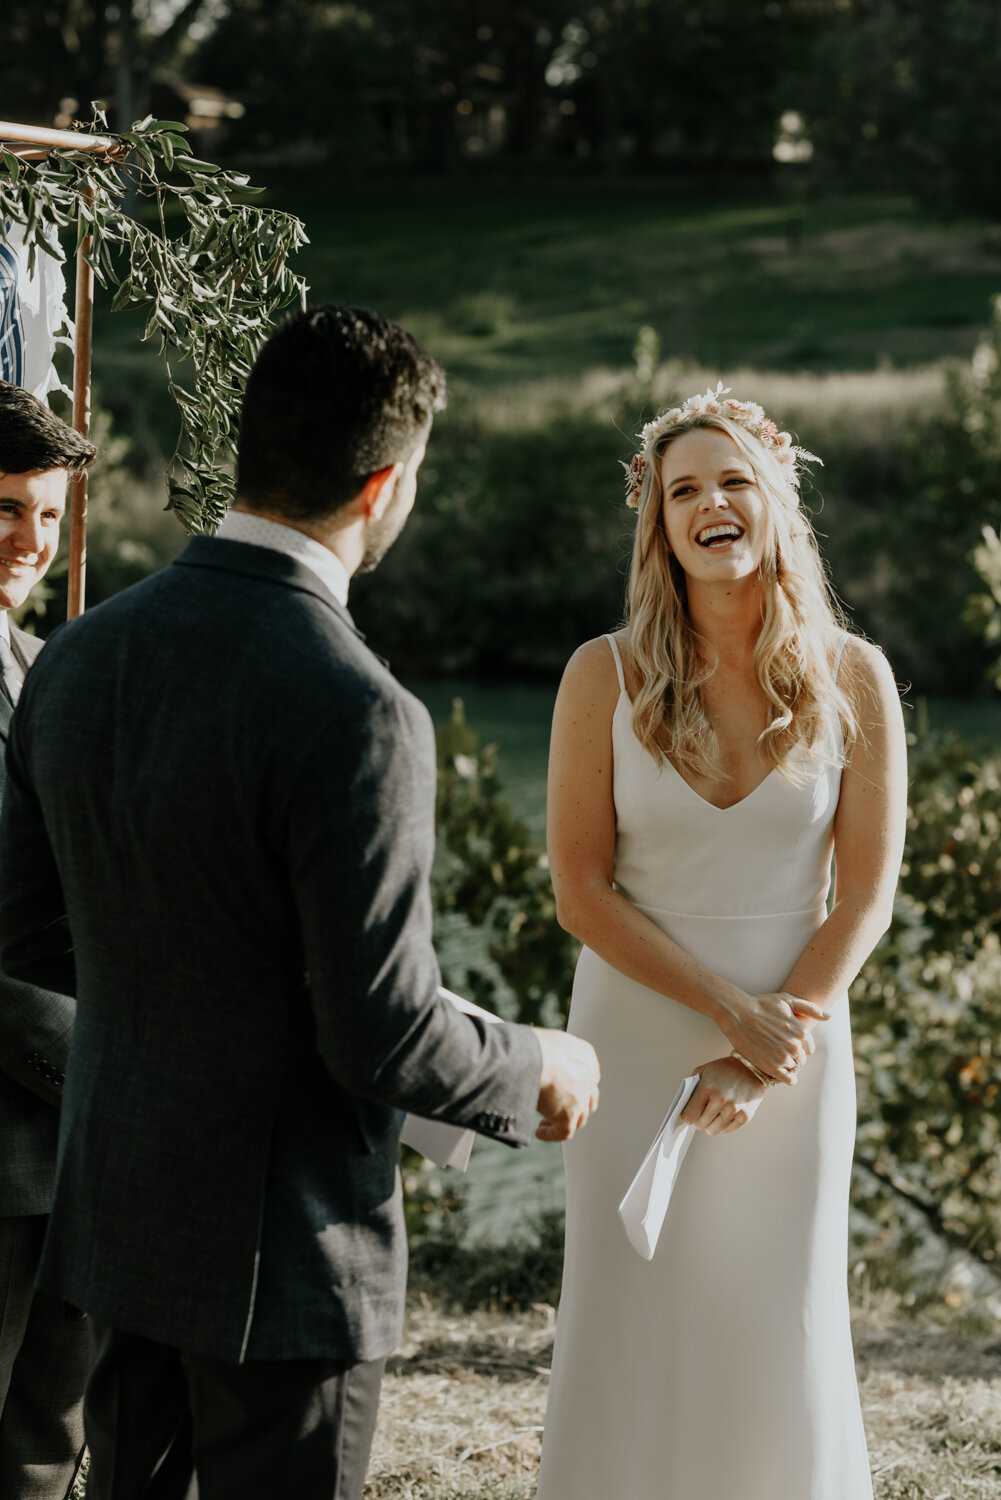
x=33 y=316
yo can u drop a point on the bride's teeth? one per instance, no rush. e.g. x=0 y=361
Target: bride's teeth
x=717 y=533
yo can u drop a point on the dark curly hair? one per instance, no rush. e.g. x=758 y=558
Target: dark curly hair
x=336 y=393
x=32 y=437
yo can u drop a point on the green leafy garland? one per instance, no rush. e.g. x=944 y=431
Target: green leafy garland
x=210 y=289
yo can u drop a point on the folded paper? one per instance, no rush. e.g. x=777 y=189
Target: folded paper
x=643 y=1208
x=445 y=1145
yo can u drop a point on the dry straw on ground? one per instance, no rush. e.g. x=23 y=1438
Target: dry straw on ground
x=464 y=1401
x=465 y=1396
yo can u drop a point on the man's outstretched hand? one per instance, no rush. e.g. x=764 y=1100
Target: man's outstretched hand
x=569 y=1089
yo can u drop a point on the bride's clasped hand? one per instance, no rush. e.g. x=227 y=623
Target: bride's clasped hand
x=772 y=1032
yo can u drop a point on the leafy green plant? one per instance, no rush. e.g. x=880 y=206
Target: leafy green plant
x=173 y=238
x=976 y=404
x=927 y=1007
x=491 y=872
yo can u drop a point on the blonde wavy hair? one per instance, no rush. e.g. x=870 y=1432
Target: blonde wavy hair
x=801 y=627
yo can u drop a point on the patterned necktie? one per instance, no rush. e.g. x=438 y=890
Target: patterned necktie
x=11 y=679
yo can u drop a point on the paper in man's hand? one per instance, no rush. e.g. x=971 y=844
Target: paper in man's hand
x=445 y=1145
x=643 y=1208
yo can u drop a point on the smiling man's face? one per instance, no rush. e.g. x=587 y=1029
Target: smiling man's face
x=32 y=506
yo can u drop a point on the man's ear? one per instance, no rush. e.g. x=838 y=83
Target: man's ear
x=377 y=491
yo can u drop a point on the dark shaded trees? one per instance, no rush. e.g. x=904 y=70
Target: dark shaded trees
x=906 y=93
x=59 y=56
x=899 y=92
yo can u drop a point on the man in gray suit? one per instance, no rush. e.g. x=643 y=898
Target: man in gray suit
x=44 y=1350
x=218 y=835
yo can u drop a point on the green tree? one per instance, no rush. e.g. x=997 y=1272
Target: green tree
x=905 y=94
x=87 y=49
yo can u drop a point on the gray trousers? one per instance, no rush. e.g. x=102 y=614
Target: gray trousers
x=44 y=1358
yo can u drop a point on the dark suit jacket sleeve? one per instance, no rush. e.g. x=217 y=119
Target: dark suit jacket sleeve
x=35 y=942
x=35 y=1030
x=362 y=836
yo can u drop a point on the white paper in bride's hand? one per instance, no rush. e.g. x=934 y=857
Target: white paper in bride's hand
x=445 y=1145
x=643 y=1208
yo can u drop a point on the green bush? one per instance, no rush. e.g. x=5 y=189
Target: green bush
x=518 y=548
x=523 y=1271
x=926 y=1010
x=514 y=553
x=491 y=873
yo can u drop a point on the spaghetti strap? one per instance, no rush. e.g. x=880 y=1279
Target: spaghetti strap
x=839 y=655
x=618 y=661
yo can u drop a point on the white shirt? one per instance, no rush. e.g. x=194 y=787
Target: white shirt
x=242 y=526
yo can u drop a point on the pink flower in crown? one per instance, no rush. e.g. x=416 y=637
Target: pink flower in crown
x=768 y=431
x=634 y=479
x=736 y=406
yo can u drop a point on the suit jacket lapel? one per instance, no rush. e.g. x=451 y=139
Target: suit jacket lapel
x=24 y=646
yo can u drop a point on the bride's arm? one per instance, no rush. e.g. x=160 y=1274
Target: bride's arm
x=581 y=840
x=869 y=831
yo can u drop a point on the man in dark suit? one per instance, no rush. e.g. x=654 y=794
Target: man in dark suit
x=44 y=1350
x=218 y=836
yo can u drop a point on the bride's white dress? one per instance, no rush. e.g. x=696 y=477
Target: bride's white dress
x=723 y=1367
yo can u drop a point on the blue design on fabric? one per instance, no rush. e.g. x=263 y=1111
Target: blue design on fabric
x=11 y=327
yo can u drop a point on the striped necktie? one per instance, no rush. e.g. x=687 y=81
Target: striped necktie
x=11 y=677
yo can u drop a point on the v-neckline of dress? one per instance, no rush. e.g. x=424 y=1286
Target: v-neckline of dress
x=687 y=784
x=732 y=806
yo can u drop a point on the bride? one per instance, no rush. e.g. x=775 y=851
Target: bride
x=706 y=763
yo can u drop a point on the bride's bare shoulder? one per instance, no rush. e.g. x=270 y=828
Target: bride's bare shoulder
x=590 y=672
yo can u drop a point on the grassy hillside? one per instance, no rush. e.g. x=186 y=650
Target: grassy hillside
x=840 y=316
x=512 y=282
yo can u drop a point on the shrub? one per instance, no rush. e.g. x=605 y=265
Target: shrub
x=926 y=1009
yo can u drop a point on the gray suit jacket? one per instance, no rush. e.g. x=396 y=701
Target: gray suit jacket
x=218 y=835
x=35 y=1029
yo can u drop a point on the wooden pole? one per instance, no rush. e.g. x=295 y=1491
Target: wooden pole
x=84 y=316
x=70 y=140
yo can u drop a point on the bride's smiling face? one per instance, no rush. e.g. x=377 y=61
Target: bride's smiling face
x=714 y=514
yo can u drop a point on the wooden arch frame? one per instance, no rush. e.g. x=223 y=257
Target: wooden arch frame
x=31 y=141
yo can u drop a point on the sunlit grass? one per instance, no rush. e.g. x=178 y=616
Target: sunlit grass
x=510 y=282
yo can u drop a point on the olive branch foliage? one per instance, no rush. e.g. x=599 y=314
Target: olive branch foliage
x=173 y=237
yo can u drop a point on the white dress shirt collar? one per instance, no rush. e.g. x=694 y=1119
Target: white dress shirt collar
x=244 y=526
x=4 y=626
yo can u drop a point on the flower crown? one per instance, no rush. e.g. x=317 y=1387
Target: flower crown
x=747 y=414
